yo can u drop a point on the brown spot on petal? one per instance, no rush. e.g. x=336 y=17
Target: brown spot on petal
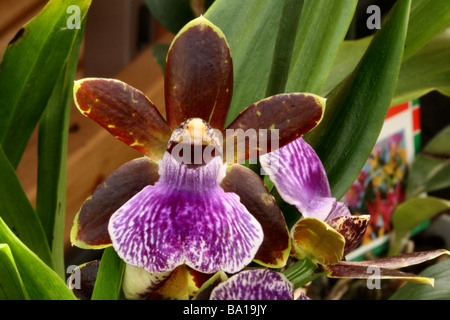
x=288 y=115
x=90 y=228
x=352 y=228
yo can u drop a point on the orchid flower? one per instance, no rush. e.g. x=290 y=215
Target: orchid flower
x=254 y=284
x=327 y=230
x=162 y=212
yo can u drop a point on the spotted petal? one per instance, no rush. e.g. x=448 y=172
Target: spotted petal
x=271 y=123
x=299 y=176
x=125 y=112
x=90 y=228
x=274 y=250
x=384 y=268
x=352 y=229
x=255 y=284
x=207 y=229
x=198 y=75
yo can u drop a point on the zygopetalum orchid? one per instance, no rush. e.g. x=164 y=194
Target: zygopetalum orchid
x=188 y=204
x=254 y=284
x=327 y=231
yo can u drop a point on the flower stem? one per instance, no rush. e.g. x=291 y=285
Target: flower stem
x=302 y=272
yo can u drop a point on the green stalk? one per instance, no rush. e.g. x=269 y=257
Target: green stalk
x=302 y=272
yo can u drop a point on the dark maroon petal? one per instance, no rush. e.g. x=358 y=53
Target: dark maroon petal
x=253 y=194
x=352 y=229
x=401 y=260
x=90 y=229
x=82 y=279
x=374 y=272
x=198 y=75
x=285 y=117
x=125 y=112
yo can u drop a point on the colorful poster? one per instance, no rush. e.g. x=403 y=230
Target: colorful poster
x=381 y=184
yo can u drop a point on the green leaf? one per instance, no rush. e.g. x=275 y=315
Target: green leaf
x=426 y=70
x=52 y=158
x=430 y=170
x=29 y=71
x=11 y=286
x=290 y=16
x=172 y=14
x=251 y=30
x=108 y=285
x=39 y=280
x=427 y=19
x=441 y=290
x=356 y=109
x=18 y=213
x=261 y=60
x=350 y=53
x=322 y=28
x=411 y=214
x=159 y=52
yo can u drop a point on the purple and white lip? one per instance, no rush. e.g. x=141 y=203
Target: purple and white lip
x=186 y=217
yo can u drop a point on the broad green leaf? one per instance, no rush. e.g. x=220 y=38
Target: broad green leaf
x=290 y=16
x=426 y=70
x=52 y=158
x=427 y=19
x=430 y=170
x=411 y=214
x=18 y=213
x=30 y=68
x=322 y=28
x=11 y=286
x=356 y=109
x=108 y=285
x=261 y=60
x=350 y=53
x=39 y=280
x=250 y=28
x=441 y=290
